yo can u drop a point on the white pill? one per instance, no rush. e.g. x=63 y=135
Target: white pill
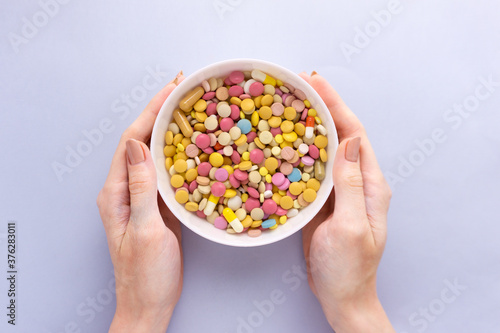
x=257 y=214
x=265 y=137
x=268 y=194
x=224 y=138
x=234 y=203
x=235 y=133
x=211 y=123
x=228 y=151
x=321 y=129
x=223 y=109
x=292 y=212
x=173 y=128
x=246 y=88
x=303 y=148
x=258 y=75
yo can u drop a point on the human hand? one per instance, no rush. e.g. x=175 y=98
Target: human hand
x=344 y=243
x=143 y=235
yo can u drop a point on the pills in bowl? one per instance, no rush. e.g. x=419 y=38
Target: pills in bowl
x=245 y=152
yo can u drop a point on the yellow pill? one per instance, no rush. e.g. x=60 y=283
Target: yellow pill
x=282 y=192
x=177 y=139
x=257 y=102
x=290 y=113
x=307 y=103
x=216 y=159
x=323 y=155
x=191 y=175
x=309 y=195
x=181 y=196
x=314 y=184
x=180 y=166
x=247 y=222
x=269 y=178
x=287 y=126
x=242 y=114
x=321 y=141
x=181 y=156
x=273 y=227
x=286 y=202
x=229 y=193
x=244 y=197
x=235 y=100
x=200 y=106
x=247 y=105
x=286 y=144
x=177 y=181
x=279 y=83
x=276 y=198
x=267 y=100
x=290 y=137
x=295 y=188
x=169 y=162
x=200 y=127
x=245 y=156
x=278 y=138
x=169 y=137
x=185 y=142
x=300 y=129
x=180 y=147
x=312 y=113
x=200 y=117
x=259 y=143
x=271 y=164
x=169 y=151
x=191 y=206
x=245 y=165
x=274 y=122
x=182 y=122
x=192 y=113
x=283 y=219
x=263 y=171
x=255 y=118
x=256 y=224
x=318 y=120
x=265 y=112
x=241 y=140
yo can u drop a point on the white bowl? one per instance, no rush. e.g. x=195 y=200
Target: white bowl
x=201 y=226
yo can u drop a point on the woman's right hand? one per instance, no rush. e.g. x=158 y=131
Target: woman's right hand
x=344 y=243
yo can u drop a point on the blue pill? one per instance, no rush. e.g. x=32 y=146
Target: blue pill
x=295 y=176
x=245 y=126
x=268 y=223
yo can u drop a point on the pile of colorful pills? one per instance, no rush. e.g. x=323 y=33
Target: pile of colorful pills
x=245 y=152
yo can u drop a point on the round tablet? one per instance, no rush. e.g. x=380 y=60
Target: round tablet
x=320 y=141
x=265 y=137
x=295 y=188
x=253 y=192
x=257 y=156
x=235 y=91
x=254 y=177
x=224 y=139
x=177 y=181
x=256 y=89
x=236 y=77
x=180 y=166
x=271 y=164
x=287 y=153
x=314 y=151
x=220 y=223
x=307 y=160
x=286 y=202
x=221 y=174
x=226 y=124
x=192 y=150
x=204 y=169
x=211 y=123
x=223 y=110
x=181 y=196
x=257 y=214
x=216 y=159
x=203 y=141
x=278 y=179
x=269 y=206
x=244 y=125
x=309 y=195
x=222 y=93
x=218 y=189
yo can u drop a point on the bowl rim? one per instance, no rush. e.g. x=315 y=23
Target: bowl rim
x=257 y=63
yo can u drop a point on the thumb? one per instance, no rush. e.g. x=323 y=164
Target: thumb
x=348 y=181
x=141 y=181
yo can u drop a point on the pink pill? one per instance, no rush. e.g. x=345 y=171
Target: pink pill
x=289 y=100
x=314 y=152
x=213 y=139
x=235 y=112
x=221 y=200
x=226 y=124
x=220 y=223
x=244 y=182
x=298 y=105
x=286 y=168
x=269 y=186
x=240 y=175
x=285 y=185
x=296 y=164
x=211 y=109
x=269 y=206
x=266 y=216
x=276 y=131
x=236 y=77
x=278 y=179
x=208 y=150
x=185 y=185
x=218 y=189
x=291 y=195
x=204 y=169
x=235 y=91
x=193 y=186
x=252 y=203
x=303 y=116
x=203 y=141
x=253 y=192
x=257 y=156
x=307 y=160
x=284 y=97
x=279 y=92
x=244 y=96
x=228 y=81
x=209 y=95
x=280 y=211
x=277 y=109
x=251 y=136
x=192 y=150
x=235 y=157
x=256 y=89
x=221 y=174
x=234 y=182
x=200 y=214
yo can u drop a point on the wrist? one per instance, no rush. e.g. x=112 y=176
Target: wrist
x=140 y=321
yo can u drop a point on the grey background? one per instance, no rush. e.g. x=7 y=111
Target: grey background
x=443 y=224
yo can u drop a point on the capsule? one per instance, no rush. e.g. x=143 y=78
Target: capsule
x=211 y=204
x=192 y=97
x=232 y=219
x=309 y=127
x=319 y=170
x=263 y=77
x=181 y=120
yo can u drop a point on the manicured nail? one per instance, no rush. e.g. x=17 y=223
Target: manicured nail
x=134 y=152
x=313 y=73
x=176 y=79
x=352 y=149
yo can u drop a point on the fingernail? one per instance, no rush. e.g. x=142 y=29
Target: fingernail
x=313 y=73
x=352 y=149
x=176 y=79
x=134 y=152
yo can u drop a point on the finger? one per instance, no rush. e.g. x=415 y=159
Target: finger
x=349 y=193
x=141 y=182
x=140 y=130
x=305 y=76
